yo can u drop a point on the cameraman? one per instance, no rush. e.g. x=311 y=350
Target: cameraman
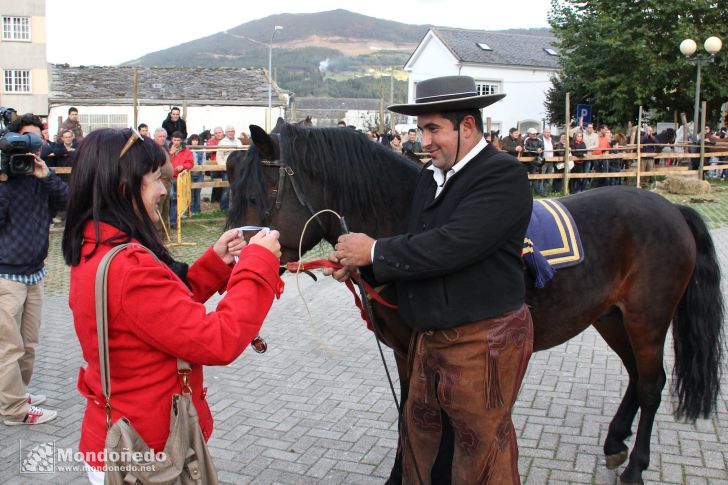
x=27 y=206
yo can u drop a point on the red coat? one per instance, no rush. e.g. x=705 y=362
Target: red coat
x=153 y=319
x=184 y=159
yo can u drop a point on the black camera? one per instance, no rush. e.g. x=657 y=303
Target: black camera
x=15 y=149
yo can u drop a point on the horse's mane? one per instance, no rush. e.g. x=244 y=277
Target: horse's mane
x=355 y=174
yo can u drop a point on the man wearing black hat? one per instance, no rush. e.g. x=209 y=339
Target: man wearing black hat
x=460 y=283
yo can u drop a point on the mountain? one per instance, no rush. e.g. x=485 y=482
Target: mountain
x=336 y=53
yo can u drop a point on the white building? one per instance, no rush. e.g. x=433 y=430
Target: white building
x=519 y=64
x=23 y=56
x=207 y=97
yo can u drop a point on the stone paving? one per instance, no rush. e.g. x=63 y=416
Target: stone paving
x=316 y=408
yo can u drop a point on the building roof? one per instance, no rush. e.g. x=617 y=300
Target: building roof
x=500 y=48
x=168 y=85
x=314 y=103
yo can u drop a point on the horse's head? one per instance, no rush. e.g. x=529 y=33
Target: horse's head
x=267 y=192
x=286 y=178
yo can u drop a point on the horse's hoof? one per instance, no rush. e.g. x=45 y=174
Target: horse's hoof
x=613 y=461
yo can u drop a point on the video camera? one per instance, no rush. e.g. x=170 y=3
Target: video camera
x=15 y=149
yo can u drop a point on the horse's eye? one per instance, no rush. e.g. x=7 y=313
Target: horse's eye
x=251 y=200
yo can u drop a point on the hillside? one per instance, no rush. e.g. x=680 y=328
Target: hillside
x=336 y=53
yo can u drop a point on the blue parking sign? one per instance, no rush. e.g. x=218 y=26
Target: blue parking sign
x=583 y=113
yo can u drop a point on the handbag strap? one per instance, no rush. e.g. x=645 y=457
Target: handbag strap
x=102 y=328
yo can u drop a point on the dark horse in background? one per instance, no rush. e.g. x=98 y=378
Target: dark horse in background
x=649 y=263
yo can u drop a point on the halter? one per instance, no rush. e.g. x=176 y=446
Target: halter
x=285 y=172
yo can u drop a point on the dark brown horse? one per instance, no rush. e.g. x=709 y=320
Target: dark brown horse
x=649 y=263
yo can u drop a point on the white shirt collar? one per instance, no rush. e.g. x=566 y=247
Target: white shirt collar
x=442 y=178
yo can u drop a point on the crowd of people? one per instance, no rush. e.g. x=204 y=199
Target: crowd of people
x=173 y=137
x=589 y=141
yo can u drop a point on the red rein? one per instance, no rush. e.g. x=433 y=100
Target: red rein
x=296 y=267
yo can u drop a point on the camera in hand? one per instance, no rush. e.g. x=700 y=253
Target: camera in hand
x=15 y=149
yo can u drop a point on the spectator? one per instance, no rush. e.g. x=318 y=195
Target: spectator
x=143 y=130
x=341 y=124
x=648 y=140
x=591 y=140
x=666 y=138
x=160 y=138
x=244 y=139
x=72 y=124
x=46 y=135
x=602 y=166
x=512 y=143
x=228 y=141
x=173 y=123
x=199 y=157
x=181 y=159
x=615 y=164
x=396 y=143
x=27 y=206
x=156 y=311
x=533 y=147
x=548 y=152
x=559 y=148
x=59 y=154
x=217 y=135
x=578 y=150
x=412 y=144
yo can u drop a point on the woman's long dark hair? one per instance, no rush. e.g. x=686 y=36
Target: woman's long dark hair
x=105 y=188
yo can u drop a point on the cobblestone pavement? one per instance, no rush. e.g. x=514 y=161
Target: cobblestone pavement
x=316 y=407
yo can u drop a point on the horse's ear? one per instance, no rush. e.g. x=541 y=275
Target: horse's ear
x=263 y=142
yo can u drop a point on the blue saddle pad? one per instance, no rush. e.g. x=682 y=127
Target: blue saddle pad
x=552 y=241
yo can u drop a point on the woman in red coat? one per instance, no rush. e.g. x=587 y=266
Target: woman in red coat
x=155 y=306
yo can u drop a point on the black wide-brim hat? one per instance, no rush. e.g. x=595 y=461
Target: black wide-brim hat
x=447 y=93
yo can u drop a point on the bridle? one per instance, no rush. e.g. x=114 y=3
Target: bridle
x=285 y=172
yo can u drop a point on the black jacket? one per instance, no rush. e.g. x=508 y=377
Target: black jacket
x=27 y=207
x=460 y=261
x=172 y=126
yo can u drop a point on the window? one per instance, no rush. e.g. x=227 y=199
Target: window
x=16 y=28
x=487 y=87
x=484 y=46
x=16 y=81
x=550 y=51
x=90 y=123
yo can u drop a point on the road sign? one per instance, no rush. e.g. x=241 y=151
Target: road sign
x=583 y=113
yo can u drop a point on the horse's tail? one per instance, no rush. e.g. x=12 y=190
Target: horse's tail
x=698 y=329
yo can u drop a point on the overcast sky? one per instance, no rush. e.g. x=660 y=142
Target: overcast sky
x=100 y=32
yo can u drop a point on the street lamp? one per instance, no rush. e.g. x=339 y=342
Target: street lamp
x=688 y=47
x=270 y=73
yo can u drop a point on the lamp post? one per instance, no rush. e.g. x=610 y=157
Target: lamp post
x=270 y=74
x=688 y=47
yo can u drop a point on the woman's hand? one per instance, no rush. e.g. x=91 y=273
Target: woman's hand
x=269 y=240
x=229 y=245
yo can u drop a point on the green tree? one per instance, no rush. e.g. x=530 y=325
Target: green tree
x=619 y=54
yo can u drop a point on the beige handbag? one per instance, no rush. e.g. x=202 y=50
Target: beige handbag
x=129 y=461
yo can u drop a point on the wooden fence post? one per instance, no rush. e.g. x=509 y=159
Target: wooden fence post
x=567 y=147
x=639 y=146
